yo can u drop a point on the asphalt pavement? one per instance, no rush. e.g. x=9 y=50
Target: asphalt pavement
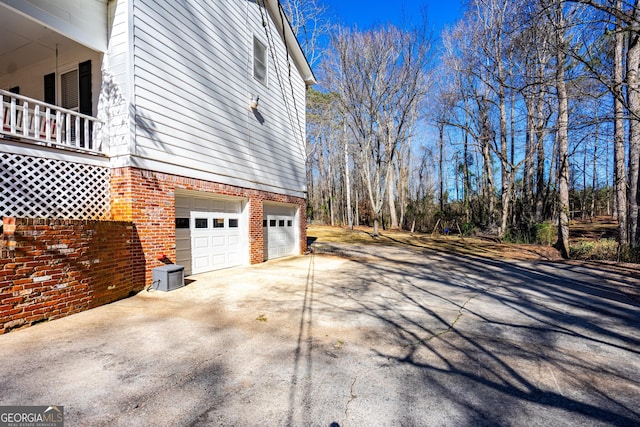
x=345 y=336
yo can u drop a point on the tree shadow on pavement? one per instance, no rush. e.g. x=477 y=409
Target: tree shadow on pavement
x=502 y=342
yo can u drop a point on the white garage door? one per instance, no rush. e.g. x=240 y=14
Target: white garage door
x=281 y=236
x=209 y=234
x=280 y=231
x=216 y=241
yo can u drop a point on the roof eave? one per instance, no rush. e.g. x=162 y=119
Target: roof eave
x=295 y=50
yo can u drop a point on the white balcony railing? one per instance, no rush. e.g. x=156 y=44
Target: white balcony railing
x=32 y=120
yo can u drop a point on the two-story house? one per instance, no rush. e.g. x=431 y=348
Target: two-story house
x=185 y=118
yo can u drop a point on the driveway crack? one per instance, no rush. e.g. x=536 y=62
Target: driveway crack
x=449 y=328
x=351 y=398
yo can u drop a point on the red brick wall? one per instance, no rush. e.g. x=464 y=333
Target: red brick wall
x=147 y=199
x=256 y=232
x=50 y=268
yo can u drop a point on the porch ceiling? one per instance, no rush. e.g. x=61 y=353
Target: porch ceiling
x=24 y=41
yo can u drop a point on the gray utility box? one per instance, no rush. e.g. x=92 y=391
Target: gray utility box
x=168 y=277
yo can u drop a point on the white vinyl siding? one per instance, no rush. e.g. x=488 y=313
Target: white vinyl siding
x=193 y=80
x=115 y=96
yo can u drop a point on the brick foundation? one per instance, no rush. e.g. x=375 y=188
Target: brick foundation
x=50 y=268
x=147 y=199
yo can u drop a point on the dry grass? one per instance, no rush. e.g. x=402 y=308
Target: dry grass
x=625 y=276
x=453 y=243
x=594 y=239
x=594 y=229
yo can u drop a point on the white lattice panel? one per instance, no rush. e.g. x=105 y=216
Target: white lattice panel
x=34 y=187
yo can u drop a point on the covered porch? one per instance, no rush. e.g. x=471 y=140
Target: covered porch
x=50 y=73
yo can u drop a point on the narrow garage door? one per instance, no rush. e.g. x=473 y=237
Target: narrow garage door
x=281 y=231
x=281 y=236
x=210 y=234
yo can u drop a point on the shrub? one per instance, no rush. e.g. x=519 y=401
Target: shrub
x=468 y=229
x=545 y=233
x=629 y=254
x=603 y=249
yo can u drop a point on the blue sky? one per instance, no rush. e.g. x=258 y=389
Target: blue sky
x=365 y=14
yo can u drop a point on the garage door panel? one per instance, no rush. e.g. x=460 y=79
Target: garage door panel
x=201 y=242
x=219 y=260
x=218 y=242
x=200 y=262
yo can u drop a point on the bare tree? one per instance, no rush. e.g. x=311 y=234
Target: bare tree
x=324 y=133
x=309 y=22
x=469 y=91
x=380 y=77
x=624 y=86
x=493 y=42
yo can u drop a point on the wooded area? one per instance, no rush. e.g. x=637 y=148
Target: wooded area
x=519 y=118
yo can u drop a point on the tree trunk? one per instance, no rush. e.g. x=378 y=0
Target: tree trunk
x=527 y=181
x=486 y=156
x=563 y=139
x=633 y=100
x=583 y=199
x=357 y=221
x=347 y=182
x=404 y=166
x=466 y=182
x=331 y=196
x=540 y=158
x=504 y=155
x=485 y=141
x=441 y=164
x=391 y=197
x=619 y=172
x=594 y=172
x=505 y=210
x=552 y=180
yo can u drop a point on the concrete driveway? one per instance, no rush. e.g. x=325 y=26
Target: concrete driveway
x=348 y=336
